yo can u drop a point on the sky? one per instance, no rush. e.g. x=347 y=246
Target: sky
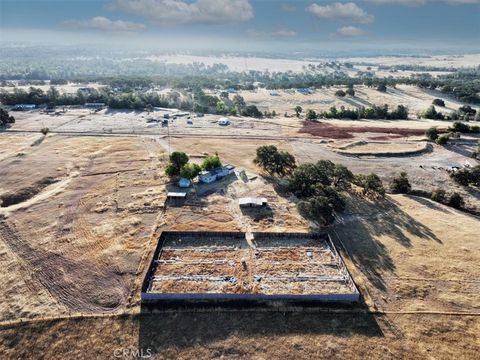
x=246 y=25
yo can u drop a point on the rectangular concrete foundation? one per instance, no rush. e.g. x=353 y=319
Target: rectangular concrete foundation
x=225 y=266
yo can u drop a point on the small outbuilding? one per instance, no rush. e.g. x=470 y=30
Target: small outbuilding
x=252 y=202
x=184 y=183
x=94 y=105
x=22 y=107
x=176 y=195
x=223 y=121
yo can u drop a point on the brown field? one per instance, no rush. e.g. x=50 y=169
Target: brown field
x=83 y=207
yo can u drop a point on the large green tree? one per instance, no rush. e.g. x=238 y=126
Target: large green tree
x=273 y=161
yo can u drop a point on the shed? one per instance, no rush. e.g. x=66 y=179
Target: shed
x=22 y=107
x=252 y=202
x=224 y=171
x=95 y=105
x=223 y=121
x=176 y=195
x=184 y=183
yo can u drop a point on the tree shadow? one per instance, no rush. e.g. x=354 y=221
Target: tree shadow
x=364 y=222
x=183 y=329
x=257 y=214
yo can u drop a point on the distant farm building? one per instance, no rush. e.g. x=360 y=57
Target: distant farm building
x=208 y=177
x=252 y=202
x=224 y=121
x=23 y=107
x=95 y=105
x=274 y=93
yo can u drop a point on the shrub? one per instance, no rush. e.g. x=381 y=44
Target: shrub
x=382 y=88
x=456 y=201
x=311 y=115
x=467 y=176
x=45 y=130
x=400 y=184
x=443 y=140
x=5 y=118
x=432 y=133
x=438 y=102
x=340 y=93
x=459 y=127
x=439 y=195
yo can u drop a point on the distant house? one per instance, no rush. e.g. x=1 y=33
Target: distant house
x=252 y=202
x=94 y=105
x=223 y=121
x=184 y=183
x=274 y=93
x=22 y=107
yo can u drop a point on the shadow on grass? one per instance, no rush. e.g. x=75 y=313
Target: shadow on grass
x=161 y=331
x=364 y=222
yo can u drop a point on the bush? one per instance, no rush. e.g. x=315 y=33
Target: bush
x=382 y=88
x=350 y=91
x=400 y=184
x=432 y=133
x=467 y=176
x=5 y=118
x=459 y=127
x=439 y=195
x=443 y=140
x=311 y=115
x=45 y=130
x=438 y=102
x=456 y=201
x=431 y=113
x=340 y=93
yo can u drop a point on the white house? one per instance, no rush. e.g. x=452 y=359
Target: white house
x=207 y=177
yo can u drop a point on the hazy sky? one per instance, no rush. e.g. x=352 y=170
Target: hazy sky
x=246 y=24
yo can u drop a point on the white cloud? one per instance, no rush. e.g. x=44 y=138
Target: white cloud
x=105 y=24
x=171 y=12
x=424 y=2
x=350 y=31
x=341 y=11
x=276 y=33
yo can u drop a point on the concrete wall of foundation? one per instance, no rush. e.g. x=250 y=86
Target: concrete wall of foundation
x=149 y=297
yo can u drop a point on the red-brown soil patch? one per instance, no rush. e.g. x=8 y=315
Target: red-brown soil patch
x=346 y=132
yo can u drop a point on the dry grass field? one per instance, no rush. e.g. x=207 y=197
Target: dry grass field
x=82 y=209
